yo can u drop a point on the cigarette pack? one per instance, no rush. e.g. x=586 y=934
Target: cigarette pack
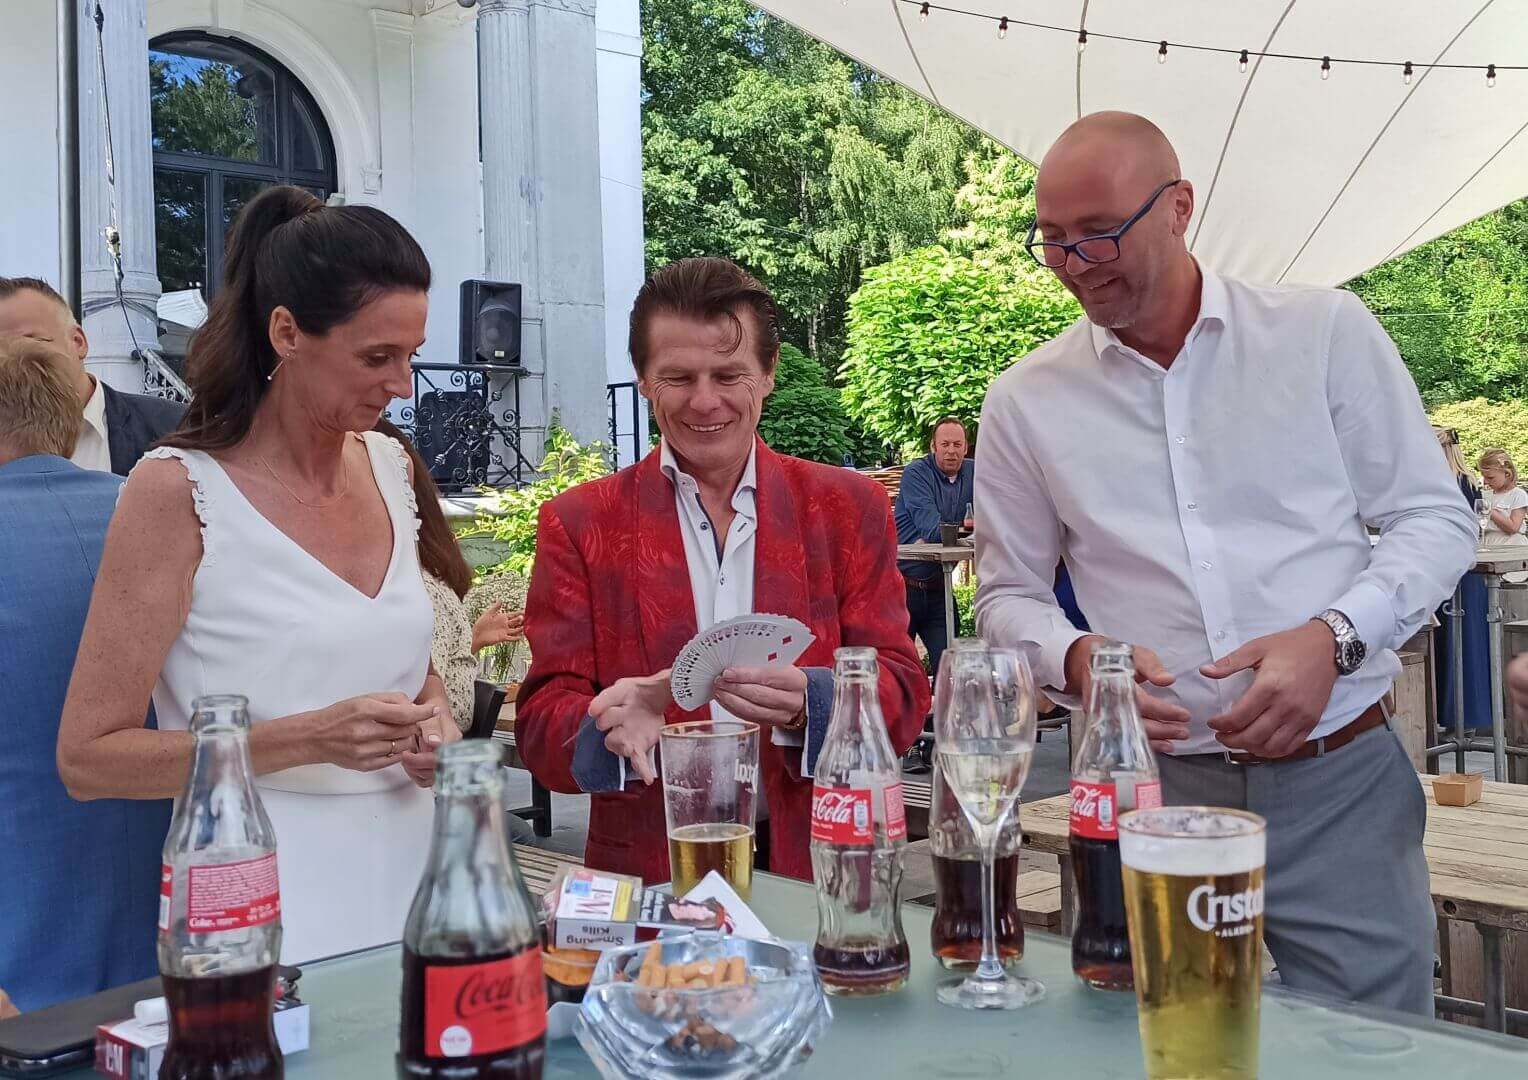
x=133 y=1049
x=591 y=909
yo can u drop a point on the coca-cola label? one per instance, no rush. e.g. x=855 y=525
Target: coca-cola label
x=1096 y=807
x=484 y=1008
x=166 y=877
x=843 y=816
x=231 y=896
x=847 y=816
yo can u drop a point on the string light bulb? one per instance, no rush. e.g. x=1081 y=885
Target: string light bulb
x=1242 y=64
x=923 y=12
x=1490 y=75
x=1002 y=27
x=1162 y=52
x=1082 y=41
x=1406 y=73
x=1326 y=68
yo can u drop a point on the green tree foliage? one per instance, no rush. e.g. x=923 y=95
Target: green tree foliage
x=803 y=417
x=1460 y=308
x=768 y=147
x=1482 y=424
x=928 y=333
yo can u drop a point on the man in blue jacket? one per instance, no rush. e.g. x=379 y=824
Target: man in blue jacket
x=936 y=490
x=79 y=890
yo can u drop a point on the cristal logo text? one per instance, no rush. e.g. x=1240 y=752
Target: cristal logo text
x=1227 y=915
x=480 y=994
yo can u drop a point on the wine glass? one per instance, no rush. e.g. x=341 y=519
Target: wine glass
x=984 y=739
x=1483 y=513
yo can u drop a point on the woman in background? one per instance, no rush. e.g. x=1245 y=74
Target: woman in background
x=1472 y=596
x=447 y=578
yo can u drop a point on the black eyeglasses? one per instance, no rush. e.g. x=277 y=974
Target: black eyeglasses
x=1090 y=249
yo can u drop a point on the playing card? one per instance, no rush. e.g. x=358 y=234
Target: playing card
x=755 y=640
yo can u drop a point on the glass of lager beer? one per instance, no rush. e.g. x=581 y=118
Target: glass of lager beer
x=1194 y=904
x=710 y=788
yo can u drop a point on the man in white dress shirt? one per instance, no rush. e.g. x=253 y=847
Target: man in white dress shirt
x=1204 y=455
x=116 y=427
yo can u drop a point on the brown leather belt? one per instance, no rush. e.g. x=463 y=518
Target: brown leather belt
x=926 y=584
x=1368 y=720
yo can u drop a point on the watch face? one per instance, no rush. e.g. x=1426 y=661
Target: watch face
x=1351 y=656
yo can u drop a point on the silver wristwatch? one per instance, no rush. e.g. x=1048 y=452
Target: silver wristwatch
x=1351 y=650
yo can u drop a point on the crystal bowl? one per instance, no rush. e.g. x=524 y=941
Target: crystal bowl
x=763 y=1029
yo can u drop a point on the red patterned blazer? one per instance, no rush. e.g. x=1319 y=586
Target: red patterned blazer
x=610 y=597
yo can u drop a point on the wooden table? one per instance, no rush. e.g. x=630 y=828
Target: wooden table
x=947 y=558
x=1477 y=857
x=1491 y=564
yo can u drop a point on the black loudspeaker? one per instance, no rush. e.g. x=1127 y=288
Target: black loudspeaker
x=490 y=332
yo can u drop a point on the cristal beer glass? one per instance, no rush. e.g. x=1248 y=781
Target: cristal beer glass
x=1194 y=903
x=710 y=790
x=984 y=739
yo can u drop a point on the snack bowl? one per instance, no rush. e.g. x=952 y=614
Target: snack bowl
x=761 y=1020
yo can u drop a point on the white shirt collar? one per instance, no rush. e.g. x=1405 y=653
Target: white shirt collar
x=95 y=409
x=747 y=484
x=1213 y=304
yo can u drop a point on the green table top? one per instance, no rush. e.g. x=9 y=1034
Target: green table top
x=1074 y=1032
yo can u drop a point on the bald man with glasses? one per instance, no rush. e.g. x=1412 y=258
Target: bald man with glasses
x=1205 y=455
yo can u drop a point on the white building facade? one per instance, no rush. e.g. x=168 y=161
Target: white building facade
x=526 y=168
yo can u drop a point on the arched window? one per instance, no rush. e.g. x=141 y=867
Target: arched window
x=227 y=121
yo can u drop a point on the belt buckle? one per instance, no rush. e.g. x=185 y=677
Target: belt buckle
x=1246 y=761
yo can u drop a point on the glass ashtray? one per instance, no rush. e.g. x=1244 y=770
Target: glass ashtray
x=728 y=1007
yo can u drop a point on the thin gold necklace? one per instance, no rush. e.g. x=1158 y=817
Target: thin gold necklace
x=345 y=472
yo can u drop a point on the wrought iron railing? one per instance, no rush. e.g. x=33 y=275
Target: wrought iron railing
x=623 y=407
x=465 y=420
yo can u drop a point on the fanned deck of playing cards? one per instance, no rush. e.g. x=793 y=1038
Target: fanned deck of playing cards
x=744 y=641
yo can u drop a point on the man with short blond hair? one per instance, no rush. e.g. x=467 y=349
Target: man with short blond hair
x=115 y=427
x=90 y=867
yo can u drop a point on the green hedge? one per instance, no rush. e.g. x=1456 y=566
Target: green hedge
x=1483 y=424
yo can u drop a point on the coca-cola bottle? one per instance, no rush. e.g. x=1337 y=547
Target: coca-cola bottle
x=956 y=933
x=474 y=1000
x=1114 y=771
x=220 y=910
x=859 y=827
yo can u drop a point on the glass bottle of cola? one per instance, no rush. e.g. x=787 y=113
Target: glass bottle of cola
x=1115 y=770
x=859 y=827
x=220 y=909
x=474 y=1000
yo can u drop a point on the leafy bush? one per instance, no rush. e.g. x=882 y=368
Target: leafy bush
x=965 y=607
x=928 y=332
x=508 y=516
x=1483 y=424
x=804 y=417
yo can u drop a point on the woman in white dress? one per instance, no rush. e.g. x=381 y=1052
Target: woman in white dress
x=268 y=548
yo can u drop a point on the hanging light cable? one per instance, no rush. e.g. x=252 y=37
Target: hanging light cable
x=1002 y=27
x=923 y=12
x=1326 y=68
x=1082 y=40
x=1490 y=75
x=1162 y=52
x=1406 y=73
x=1242 y=64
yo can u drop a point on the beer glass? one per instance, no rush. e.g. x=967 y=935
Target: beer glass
x=1194 y=904
x=710 y=788
x=984 y=738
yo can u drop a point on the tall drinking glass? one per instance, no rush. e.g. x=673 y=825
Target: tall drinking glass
x=984 y=739
x=710 y=790
x=1194 y=904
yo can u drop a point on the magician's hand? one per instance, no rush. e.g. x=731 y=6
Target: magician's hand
x=764 y=695
x=1163 y=720
x=1295 y=671
x=630 y=713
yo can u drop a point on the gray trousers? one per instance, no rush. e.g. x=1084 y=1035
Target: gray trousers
x=1348 y=913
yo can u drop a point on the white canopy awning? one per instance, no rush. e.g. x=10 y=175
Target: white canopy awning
x=1299 y=179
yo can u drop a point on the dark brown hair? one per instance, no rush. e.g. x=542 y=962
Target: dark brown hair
x=706 y=289
x=10 y=286
x=933 y=432
x=439 y=553
x=286 y=249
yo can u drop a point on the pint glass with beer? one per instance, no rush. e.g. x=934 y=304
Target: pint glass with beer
x=710 y=792
x=1193 y=880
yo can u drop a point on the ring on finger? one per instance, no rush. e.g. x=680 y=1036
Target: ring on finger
x=392 y=748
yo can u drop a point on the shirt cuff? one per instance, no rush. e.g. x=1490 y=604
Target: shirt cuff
x=1369 y=610
x=1049 y=663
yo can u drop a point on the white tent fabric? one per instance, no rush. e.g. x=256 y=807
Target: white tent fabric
x=1298 y=179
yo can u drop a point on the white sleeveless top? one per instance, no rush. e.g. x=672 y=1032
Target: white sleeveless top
x=271 y=622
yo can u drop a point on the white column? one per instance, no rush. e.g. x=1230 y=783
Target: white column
x=506 y=105
x=110 y=329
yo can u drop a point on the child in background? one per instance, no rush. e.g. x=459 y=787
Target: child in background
x=1506 y=504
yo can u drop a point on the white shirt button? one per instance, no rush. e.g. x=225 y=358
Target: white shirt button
x=1193 y=506
x=1182 y=438
x=1220 y=635
x=1206 y=566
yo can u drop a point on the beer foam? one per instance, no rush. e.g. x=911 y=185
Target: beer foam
x=1191 y=841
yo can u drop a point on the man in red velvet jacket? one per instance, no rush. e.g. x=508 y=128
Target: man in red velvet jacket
x=710 y=525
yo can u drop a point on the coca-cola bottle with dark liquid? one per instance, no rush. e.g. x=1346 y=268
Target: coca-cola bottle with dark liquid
x=474 y=997
x=1115 y=770
x=956 y=933
x=220 y=910
x=859 y=828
